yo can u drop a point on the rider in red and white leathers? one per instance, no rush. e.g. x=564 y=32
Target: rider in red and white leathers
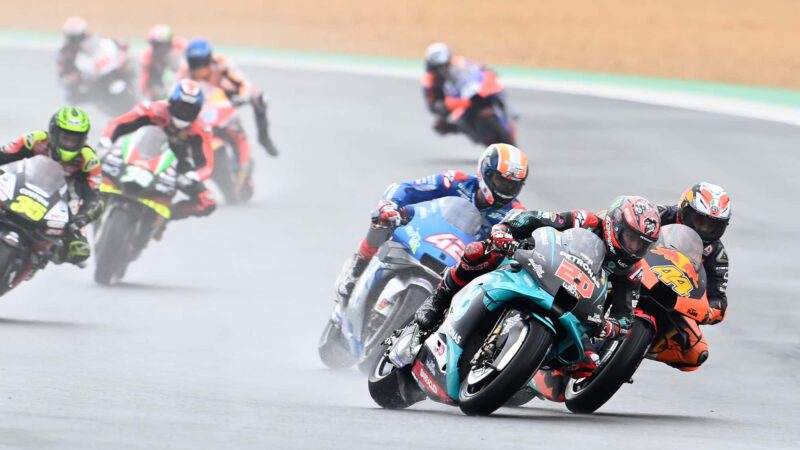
x=189 y=137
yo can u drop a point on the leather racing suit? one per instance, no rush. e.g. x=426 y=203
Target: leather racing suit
x=192 y=147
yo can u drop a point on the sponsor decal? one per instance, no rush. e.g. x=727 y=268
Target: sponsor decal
x=33 y=195
x=448 y=328
x=576 y=282
x=448 y=243
x=680 y=261
x=537 y=268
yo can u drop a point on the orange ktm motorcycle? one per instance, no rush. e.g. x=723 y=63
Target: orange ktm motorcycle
x=671 y=306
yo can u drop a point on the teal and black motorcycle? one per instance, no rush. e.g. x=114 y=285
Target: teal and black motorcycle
x=502 y=327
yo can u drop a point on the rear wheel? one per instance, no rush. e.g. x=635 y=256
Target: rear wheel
x=379 y=327
x=113 y=251
x=493 y=131
x=8 y=265
x=333 y=349
x=585 y=396
x=504 y=363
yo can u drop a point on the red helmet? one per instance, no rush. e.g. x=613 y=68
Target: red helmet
x=630 y=227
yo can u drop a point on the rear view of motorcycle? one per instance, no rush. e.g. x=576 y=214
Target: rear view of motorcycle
x=484 y=115
x=397 y=280
x=33 y=217
x=139 y=182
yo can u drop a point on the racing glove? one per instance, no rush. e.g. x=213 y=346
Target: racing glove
x=614 y=328
x=501 y=241
x=713 y=317
x=78 y=222
x=388 y=215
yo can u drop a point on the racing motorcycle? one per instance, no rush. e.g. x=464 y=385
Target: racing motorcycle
x=107 y=79
x=397 y=280
x=673 y=287
x=232 y=175
x=485 y=119
x=532 y=312
x=139 y=182
x=33 y=218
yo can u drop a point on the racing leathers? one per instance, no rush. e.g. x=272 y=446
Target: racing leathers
x=444 y=95
x=397 y=196
x=191 y=145
x=156 y=67
x=222 y=74
x=84 y=177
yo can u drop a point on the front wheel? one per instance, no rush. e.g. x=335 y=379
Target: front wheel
x=505 y=362
x=114 y=248
x=393 y=388
x=379 y=327
x=333 y=349
x=585 y=396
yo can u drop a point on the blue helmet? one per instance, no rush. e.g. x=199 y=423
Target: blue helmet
x=185 y=103
x=198 y=53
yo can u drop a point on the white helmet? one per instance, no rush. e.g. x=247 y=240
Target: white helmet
x=74 y=28
x=437 y=54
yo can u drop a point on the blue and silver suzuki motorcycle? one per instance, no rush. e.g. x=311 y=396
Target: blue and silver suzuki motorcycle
x=502 y=327
x=402 y=274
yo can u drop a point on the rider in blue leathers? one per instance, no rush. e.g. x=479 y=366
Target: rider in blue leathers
x=502 y=170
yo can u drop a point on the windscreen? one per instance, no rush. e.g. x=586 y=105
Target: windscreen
x=683 y=239
x=585 y=245
x=461 y=214
x=44 y=173
x=150 y=141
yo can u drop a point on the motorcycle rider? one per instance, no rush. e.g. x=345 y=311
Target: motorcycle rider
x=444 y=74
x=502 y=171
x=165 y=53
x=628 y=228
x=203 y=65
x=76 y=40
x=65 y=142
x=189 y=138
x=706 y=208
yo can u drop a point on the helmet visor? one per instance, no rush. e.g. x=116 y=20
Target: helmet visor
x=198 y=62
x=183 y=111
x=503 y=187
x=708 y=228
x=71 y=140
x=633 y=243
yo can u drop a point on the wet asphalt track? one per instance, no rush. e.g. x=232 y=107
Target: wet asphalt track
x=211 y=341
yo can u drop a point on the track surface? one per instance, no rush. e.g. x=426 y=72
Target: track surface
x=211 y=342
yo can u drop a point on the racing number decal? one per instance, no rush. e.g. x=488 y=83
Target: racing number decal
x=674 y=278
x=448 y=243
x=574 y=277
x=27 y=206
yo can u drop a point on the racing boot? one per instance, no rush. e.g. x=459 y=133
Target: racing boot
x=262 y=125
x=405 y=343
x=431 y=312
x=585 y=367
x=348 y=278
